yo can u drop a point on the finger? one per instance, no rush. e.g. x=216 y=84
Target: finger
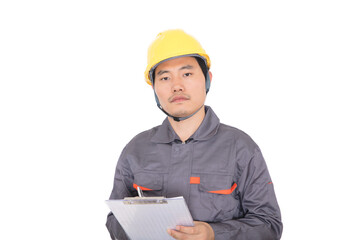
x=176 y=234
x=187 y=230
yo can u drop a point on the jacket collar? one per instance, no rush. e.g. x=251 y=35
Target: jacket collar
x=207 y=129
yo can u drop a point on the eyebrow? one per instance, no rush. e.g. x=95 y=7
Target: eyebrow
x=162 y=72
x=182 y=68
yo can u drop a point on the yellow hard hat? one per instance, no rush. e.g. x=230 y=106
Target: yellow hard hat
x=170 y=44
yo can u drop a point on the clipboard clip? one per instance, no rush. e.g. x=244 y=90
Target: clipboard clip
x=144 y=200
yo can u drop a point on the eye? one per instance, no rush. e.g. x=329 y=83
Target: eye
x=187 y=74
x=164 y=78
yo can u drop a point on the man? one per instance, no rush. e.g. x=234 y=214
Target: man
x=218 y=169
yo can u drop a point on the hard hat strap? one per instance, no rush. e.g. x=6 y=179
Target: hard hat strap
x=178 y=119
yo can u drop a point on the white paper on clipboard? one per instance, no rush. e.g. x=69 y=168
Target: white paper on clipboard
x=145 y=218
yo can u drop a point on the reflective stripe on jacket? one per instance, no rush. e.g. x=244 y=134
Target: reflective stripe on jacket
x=219 y=171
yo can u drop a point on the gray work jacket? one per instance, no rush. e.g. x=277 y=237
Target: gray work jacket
x=219 y=170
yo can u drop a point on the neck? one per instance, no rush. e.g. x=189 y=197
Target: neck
x=186 y=128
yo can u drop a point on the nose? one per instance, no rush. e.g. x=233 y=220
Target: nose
x=177 y=85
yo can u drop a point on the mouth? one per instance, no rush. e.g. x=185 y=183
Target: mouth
x=178 y=98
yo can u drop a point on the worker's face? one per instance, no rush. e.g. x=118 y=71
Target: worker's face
x=180 y=86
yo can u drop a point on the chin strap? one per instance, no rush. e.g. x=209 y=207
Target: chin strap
x=178 y=119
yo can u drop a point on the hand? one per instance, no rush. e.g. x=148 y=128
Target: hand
x=200 y=231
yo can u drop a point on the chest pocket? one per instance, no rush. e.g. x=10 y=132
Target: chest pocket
x=216 y=198
x=150 y=183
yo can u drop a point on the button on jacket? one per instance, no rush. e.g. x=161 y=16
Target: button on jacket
x=219 y=171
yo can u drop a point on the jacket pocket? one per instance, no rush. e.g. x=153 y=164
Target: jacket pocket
x=217 y=184
x=150 y=183
x=216 y=196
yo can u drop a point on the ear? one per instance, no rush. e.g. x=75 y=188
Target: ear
x=210 y=74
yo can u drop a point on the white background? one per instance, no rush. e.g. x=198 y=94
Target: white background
x=72 y=94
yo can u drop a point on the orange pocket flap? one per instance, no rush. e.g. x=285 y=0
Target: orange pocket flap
x=219 y=184
x=226 y=191
x=148 y=181
x=142 y=188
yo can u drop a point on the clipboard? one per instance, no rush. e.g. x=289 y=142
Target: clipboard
x=148 y=218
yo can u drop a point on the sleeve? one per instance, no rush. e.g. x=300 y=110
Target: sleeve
x=122 y=180
x=261 y=214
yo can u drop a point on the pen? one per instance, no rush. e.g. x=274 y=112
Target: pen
x=140 y=192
